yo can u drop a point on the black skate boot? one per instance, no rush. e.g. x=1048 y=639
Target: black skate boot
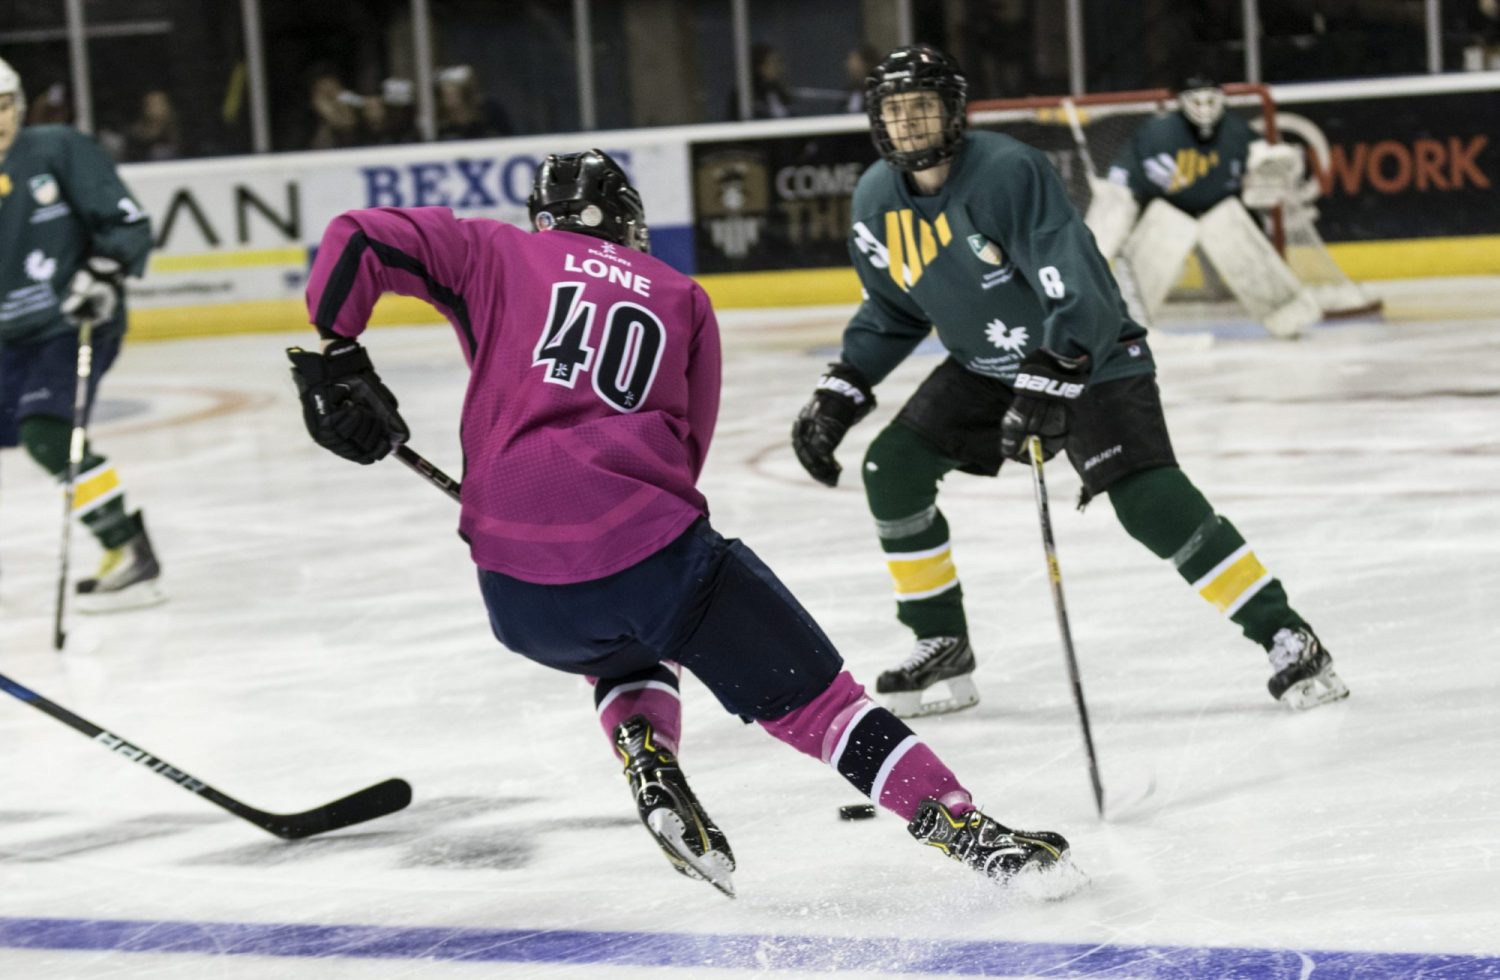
x=940 y=666
x=995 y=850
x=1304 y=676
x=691 y=841
x=129 y=576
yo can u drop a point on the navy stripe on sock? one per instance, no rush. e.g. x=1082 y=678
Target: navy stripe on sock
x=660 y=674
x=872 y=741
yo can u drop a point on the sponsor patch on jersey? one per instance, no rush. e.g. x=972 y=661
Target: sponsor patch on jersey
x=39 y=266
x=44 y=189
x=50 y=212
x=987 y=250
x=1011 y=339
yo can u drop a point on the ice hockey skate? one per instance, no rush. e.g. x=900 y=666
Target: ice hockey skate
x=1038 y=862
x=129 y=577
x=692 y=842
x=1304 y=676
x=934 y=680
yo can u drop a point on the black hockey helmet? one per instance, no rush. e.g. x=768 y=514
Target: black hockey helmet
x=588 y=193
x=919 y=68
x=1201 y=102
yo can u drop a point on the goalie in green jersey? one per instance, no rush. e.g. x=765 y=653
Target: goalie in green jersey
x=70 y=232
x=972 y=234
x=1185 y=180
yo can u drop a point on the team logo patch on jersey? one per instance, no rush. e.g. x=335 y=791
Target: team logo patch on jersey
x=987 y=250
x=4 y=184
x=39 y=267
x=1011 y=339
x=44 y=189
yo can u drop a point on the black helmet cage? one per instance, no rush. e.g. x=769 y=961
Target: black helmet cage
x=918 y=68
x=588 y=193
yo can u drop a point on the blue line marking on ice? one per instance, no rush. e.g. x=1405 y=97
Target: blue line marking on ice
x=732 y=952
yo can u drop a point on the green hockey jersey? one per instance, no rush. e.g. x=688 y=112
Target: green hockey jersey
x=61 y=201
x=998 y=261
x=1165 y=159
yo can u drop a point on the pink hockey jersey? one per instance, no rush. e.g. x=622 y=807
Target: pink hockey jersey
x=593 y=389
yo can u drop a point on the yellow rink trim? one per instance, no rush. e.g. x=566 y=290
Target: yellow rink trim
x=295 y=256
x=94 y=489
x=1234 y=581
x=924 y=574
x=262 y=316
x=1411 y=258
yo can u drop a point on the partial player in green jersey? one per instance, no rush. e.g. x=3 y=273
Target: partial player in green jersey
x=70 y=232
x=1185 y=180
x=972 y=234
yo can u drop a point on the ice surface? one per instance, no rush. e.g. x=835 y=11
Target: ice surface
x=325 y=632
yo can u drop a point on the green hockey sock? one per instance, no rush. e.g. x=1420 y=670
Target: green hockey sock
x=98 y=498
x=1164 y=511
x=901 y=473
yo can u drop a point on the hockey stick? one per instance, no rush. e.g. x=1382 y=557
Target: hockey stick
x=76 y=447
x=1054 y=576
x=428 y=472
x=369 y=803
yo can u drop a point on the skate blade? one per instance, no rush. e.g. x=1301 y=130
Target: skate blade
x=1319 y=689
x=142 y=595
x=712 y=866
x=953 y=694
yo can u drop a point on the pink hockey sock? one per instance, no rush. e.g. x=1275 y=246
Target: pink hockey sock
x=651 y=693
x=872 y=748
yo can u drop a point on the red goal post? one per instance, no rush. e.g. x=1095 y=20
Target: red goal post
x=1106 y=121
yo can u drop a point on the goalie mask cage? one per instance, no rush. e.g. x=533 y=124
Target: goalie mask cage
x=1083 y=134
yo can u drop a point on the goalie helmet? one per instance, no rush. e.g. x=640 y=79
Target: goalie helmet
x=10 y=84
x=1201 y=102
x=918 y=68
x=588 y=193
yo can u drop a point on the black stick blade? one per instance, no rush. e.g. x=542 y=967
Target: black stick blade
x=367 y=804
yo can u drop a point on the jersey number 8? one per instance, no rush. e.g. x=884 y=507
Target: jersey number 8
x=1052 y=283
x=628 y=354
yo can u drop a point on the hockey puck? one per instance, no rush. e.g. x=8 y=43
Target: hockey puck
x=857 y=811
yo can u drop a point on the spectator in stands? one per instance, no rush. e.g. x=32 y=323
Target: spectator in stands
x=1483 y=50
x=769 y=96
x=463 y=111
x=390 y=116
x=335 y=112
x=857 y=65
x=54 y=105
x=155 y=134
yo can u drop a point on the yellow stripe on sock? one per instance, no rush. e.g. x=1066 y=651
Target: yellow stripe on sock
x=1232 y=582
x=95 y=488
x=920 y=574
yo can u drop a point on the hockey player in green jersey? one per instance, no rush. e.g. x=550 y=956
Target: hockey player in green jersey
x=972 y=234
x=1185 y=180
x=1192 y=158
x=70 y=232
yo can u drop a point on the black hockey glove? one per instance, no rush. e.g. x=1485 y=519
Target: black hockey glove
x=842 y=398
x=1046 y=384
x=345 y=407
x=94 y=291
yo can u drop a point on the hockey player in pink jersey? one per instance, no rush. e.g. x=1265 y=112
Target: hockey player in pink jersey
x=592 y=400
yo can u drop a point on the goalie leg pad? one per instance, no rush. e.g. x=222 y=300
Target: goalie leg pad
x=1253 y=271
x=1112 y=212
x=1156 y=250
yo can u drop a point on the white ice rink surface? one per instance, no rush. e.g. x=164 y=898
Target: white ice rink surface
x=325 y=632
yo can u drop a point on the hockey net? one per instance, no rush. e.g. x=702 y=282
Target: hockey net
x=1084 y=134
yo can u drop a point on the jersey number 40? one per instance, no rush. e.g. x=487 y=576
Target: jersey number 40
x=624 y=364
